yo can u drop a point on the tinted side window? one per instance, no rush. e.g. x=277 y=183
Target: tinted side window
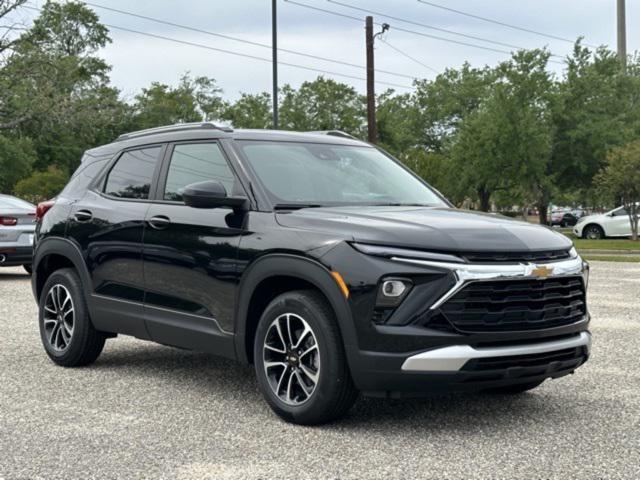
x=196 y=163
x=620 y=212
x=131 y=176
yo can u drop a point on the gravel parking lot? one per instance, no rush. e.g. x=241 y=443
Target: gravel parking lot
x=148 y=411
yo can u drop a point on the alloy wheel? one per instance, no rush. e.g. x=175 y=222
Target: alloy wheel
x=291 y=359
x=59 y=317
x=593 y=233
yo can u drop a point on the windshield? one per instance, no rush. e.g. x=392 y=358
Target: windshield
x=318 y=174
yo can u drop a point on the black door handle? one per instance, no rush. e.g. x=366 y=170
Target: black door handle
x=159 y=222
x=83 y=215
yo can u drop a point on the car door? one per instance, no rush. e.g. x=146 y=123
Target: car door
x=107 y=225
x=190 y=254
x=618 y=224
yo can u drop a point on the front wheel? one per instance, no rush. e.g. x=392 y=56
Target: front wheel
x=28 y=268
x=300 y=361
x=593 y=232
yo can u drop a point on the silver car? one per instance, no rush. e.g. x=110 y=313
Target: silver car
x=17 y=226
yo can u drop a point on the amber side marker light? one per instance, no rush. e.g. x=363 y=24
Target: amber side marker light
x=340 y=281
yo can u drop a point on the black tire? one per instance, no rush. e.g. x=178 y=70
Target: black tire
x=593 y=232
x=563 y=224
x=27 y=267
x=515 y=389
x=85 y=343
x=334 y=392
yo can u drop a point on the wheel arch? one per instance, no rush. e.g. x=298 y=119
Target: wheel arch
x=296 y=273
x=593 y=224
x=53 y=253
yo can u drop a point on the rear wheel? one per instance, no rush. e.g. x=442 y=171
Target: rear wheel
x=66 y=331
x=515 y=389
x=300 y=361
x=593 y=232
x=27 y=267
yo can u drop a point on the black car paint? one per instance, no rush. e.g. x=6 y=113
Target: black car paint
x=191 y=283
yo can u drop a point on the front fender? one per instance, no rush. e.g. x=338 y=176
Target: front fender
x=306 y=269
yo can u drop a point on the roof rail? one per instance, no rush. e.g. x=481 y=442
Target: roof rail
x=178 y=127
x=334 y=133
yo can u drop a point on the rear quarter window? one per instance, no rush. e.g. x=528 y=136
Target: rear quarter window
x=88 y=170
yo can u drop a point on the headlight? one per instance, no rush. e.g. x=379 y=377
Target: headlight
x=573 y=253
x=383 y=251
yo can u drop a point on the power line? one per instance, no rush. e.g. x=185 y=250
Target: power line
x=253 y=57
x=238 y=54
x=413 y=32
x=408 y=56
x=241 y=40
x=431 y=27
x=503 y=24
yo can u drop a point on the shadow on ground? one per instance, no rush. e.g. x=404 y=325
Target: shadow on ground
x=186 y=371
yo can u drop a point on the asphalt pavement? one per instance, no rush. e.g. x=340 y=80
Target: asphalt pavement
x=148 y=411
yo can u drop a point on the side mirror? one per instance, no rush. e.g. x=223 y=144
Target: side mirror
x=211 y=194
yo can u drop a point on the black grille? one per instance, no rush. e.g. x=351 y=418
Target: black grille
x=532 y=360
x=515 y=257
x=539 y=365
x=515 y=305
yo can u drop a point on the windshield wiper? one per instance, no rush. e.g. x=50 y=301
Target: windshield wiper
x=295 y=206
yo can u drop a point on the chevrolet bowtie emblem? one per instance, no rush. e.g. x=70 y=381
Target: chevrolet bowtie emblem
x=540 y=271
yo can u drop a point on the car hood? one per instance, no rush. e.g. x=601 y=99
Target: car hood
x=442 y=229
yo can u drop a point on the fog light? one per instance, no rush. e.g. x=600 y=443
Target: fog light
x=392 y=291
x=393 y=288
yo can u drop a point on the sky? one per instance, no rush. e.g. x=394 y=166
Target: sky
x=138 y=60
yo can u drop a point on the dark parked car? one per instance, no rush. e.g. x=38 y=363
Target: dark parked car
x=316 y=257
x=17 y=227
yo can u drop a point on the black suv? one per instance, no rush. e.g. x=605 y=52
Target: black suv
x=317 y=257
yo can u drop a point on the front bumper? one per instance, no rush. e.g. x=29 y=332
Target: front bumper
x=462 y=368
x=455 y=357
x=417 y=357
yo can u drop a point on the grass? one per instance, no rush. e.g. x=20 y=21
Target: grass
x=605 y=244
x=612 y=258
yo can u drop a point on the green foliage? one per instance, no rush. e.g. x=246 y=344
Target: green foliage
x=323 y=104
x=501 y=136
x=41 y=185
x=250 y=111
x=17 y=155
x=193 y=100
x=620 y=177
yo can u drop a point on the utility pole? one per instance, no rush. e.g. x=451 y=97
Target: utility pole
x=274 y=46
x=372 y=129
x=622 y=33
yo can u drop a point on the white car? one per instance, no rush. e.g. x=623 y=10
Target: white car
x=611 y=224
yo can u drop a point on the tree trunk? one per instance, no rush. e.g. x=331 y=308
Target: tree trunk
x=484 y=196
x=633 y=220
x=542 y=213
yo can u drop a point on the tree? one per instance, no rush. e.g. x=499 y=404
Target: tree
x=597 y=107
x=9 y=28
x=41 y=185
x=441 y=105
x=621 y=178
x=323 y=104
x=193 y=100
x=250 y=111
x=17 y=155
x=395 y=118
